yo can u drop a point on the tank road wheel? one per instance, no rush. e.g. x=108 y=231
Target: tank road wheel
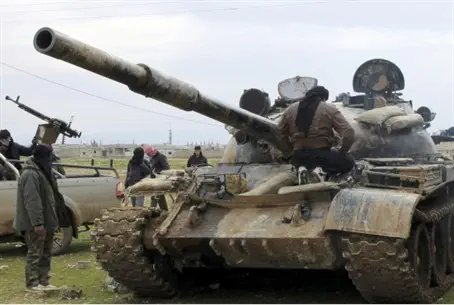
x=391 y=270
x=450 y=236
x=420 y=254
x=439 y=252
x=117 y=241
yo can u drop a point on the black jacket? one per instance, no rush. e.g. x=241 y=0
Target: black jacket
x=136 y=172
x=14 y=151
x=158 y=164
x=194 y=160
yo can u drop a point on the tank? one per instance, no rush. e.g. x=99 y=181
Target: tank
x=389 y=223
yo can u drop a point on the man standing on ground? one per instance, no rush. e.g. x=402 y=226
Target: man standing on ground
x=137 y=170
x=197 y=158
x=158 y=163
x=37 y=217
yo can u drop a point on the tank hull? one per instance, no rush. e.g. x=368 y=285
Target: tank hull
x=250 y=238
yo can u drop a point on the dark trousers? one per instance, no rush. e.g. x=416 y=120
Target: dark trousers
x=38 y=259
x=332 y=162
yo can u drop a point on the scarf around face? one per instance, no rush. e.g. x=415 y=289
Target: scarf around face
x=307 y=107
x=138 y=156
x=42 y=156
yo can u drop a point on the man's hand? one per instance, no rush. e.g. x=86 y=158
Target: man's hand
x=40 y=229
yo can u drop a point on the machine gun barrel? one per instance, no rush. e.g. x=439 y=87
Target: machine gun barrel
x=28 y=109
x=153 y=84
x=62 y=127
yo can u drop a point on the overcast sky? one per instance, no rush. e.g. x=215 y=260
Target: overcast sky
x=221 y=47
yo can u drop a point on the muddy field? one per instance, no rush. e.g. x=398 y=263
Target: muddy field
x=255 y=287
x=240 y=287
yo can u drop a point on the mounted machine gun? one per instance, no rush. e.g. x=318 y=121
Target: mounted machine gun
x=47 y=133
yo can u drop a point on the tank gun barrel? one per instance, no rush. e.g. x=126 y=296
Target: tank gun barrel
x=151 y=83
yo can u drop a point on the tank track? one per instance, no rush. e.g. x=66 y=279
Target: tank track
x=380 y=267
x=117 y=241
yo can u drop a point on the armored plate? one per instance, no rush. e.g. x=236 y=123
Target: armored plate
x=378 y=75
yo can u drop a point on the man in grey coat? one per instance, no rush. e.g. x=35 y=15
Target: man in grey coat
x=37 y=215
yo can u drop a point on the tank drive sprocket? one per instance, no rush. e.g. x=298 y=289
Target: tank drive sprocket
x=118 y=242
x=415 y=270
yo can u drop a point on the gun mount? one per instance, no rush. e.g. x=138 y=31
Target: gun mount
x=379 y=80
x=47 y=133
x=151 y=83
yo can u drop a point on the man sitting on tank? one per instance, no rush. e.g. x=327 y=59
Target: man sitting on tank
x=307 y=126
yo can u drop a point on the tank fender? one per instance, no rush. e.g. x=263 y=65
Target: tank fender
x=372 y=211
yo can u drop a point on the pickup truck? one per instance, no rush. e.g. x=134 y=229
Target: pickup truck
x=86 y=195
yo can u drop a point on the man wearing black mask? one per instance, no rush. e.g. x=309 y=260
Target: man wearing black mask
x=40 y=210
x=136 y=171
x=12 y=150
x=307 y=126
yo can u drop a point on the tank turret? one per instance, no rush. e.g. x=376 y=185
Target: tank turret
x=386 y=125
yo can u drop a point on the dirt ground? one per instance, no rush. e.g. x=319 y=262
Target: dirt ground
x=261 y=287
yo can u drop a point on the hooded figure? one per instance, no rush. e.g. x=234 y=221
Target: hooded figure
x=137 y=170
x=307 y=107
x=12 y=150
x=40 y=211
x=307 y=127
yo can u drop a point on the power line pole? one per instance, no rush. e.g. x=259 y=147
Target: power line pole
x=170 y=136
x=69 y=125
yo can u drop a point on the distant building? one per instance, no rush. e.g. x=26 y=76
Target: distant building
x=446 y=148
x=126 y=150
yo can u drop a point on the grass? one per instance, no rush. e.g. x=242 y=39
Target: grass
x=91 y=280
x=121 y=164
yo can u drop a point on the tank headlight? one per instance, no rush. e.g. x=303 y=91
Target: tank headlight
x=241 y=137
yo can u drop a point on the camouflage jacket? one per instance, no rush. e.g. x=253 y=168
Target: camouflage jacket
x=326 y=118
